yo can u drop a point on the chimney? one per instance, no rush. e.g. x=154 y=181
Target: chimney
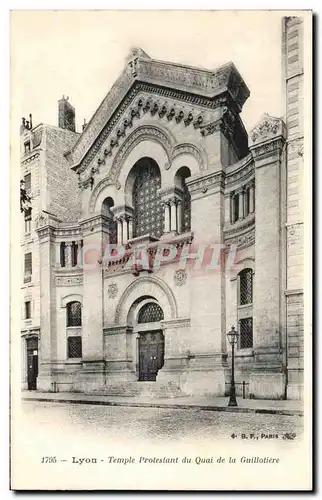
x=66 y=114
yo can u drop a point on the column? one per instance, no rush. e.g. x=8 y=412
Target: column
x=125 y=230
x=241 y=212
x=173 y=215
x=268 y=375
x=68 y=254
x=232 y=208
x=179 y=216
x=119 y=231
x=79 y=253
x=57 y=247
x=130 y=227
x=166 y=206
x=252 y=198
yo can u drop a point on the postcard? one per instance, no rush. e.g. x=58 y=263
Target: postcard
x=161 y=307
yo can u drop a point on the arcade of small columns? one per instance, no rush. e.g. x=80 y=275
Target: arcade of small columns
x=69 y=248
x=246 y=201
x=172 y=205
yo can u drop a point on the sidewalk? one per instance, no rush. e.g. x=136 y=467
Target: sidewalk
x=181 y=403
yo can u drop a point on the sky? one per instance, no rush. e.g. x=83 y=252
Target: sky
x=81 y=53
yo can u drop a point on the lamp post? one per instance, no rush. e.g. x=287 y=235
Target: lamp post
x=232 y=338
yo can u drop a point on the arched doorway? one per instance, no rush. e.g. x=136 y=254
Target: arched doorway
x=151 y=341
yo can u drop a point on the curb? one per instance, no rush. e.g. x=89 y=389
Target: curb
x=268 y=411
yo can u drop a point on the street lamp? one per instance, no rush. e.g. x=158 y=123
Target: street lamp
x=232 y=338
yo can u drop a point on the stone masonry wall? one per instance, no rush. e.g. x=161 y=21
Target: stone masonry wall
x=62 y=183
x=293 y=74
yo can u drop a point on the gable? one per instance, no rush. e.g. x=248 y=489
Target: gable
x=168 y=80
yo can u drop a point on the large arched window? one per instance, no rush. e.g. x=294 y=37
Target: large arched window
x=150 y=313
x=74 y=314
x=245 y=308
x=148 y=212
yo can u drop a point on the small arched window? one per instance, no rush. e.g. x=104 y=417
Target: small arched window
x=74 y=314
x=107 y=204
x=184 y=222
x=150 y=313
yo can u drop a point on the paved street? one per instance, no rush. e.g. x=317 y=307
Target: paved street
x=99 y=447
x=153 y=423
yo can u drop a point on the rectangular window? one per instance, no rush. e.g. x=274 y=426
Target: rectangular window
x=247 y=201
x=28 y=220
x=28 y=309
x=236 y=207
x=28 y=267
x=74 y=249
x=74 y=347
x=27 y=180
x=27 y=147
x=246 y=333
x=62 y=254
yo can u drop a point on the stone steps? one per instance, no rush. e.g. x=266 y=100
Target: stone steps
x=142 y=389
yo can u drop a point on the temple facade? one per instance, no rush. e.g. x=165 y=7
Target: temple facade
x=160 y=226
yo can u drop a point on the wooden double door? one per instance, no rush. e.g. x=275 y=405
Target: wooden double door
x=32 y=363
x=151 y=354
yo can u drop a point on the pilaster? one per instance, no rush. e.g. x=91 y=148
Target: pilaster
x=95 y=237
x=268 y=374
x=48 y=327
x=205 y=371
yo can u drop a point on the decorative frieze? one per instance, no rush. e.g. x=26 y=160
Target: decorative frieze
x=242 y=240
x=176 y=323
x=68 y=280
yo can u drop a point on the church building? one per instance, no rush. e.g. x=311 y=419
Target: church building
x=163 y=224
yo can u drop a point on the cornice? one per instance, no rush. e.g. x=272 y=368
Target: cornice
x=240 y=227
x=157 y=77
x=30 y=158
x=267 y=137
x=241 y=234
x=205 y=182
x=176 y=323
x=239 y=169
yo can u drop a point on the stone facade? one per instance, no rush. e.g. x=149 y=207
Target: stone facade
x=185 y=122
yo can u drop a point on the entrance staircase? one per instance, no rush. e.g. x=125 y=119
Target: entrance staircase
x=142 y=389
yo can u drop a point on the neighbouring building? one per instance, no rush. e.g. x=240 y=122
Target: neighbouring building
x=206 y=223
